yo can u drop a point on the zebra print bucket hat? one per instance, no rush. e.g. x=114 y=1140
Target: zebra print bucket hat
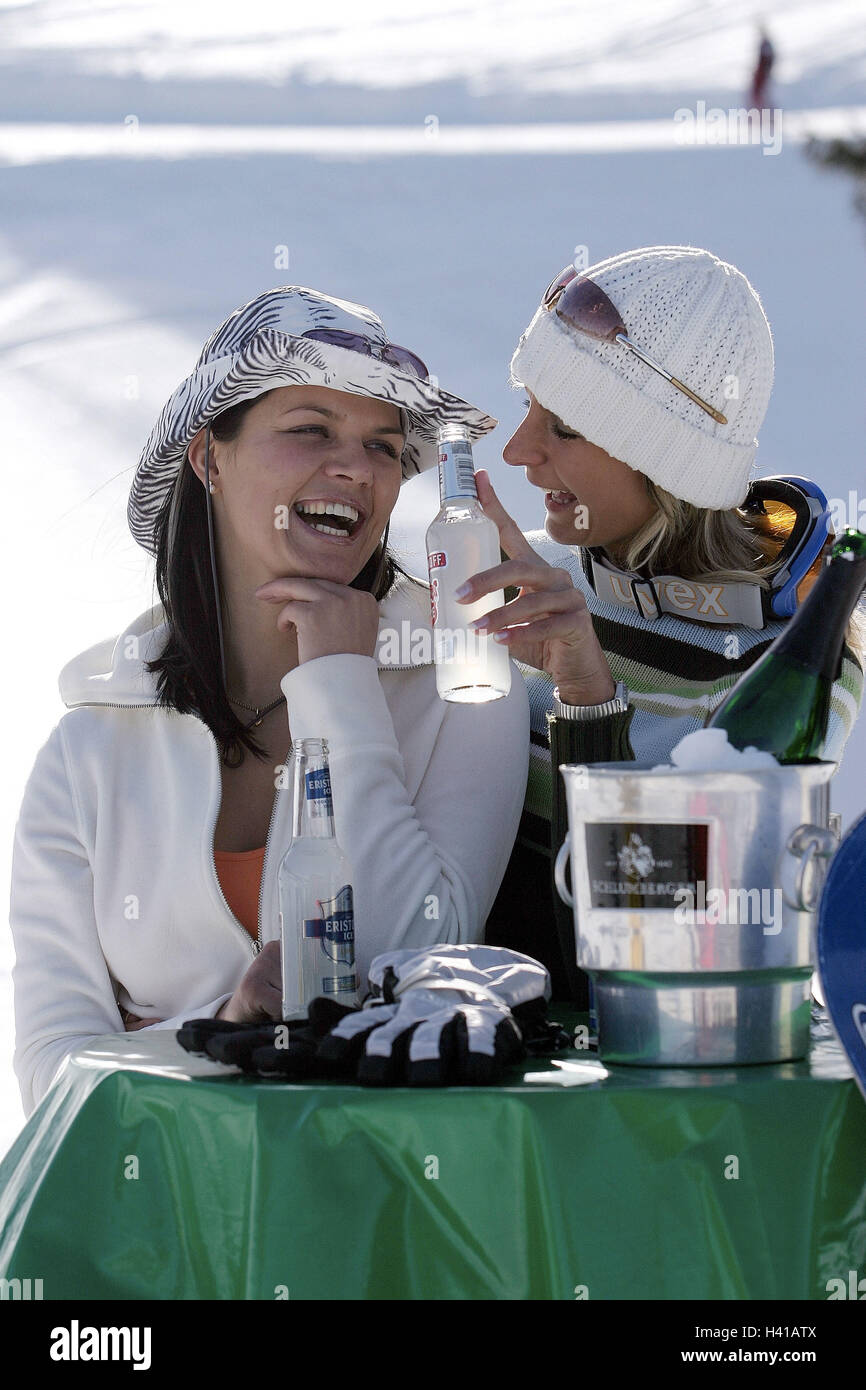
x=293 y=336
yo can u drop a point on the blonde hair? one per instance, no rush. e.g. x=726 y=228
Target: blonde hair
x=730 y=547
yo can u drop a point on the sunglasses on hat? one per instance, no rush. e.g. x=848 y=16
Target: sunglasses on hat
x=391 y=353
x=581 y=304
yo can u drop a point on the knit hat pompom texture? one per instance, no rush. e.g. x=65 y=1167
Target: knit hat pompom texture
x=702 y=321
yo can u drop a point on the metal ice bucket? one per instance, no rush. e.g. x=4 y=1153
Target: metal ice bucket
x=695 y=907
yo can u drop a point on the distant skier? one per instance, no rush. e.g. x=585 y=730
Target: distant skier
x=763 y=68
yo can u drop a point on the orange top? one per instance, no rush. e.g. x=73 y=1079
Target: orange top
x=240 y=876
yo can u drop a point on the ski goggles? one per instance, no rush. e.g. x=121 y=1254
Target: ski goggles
x=793 y=512
x=797 y=509
x=582 y=305
x=392 y=353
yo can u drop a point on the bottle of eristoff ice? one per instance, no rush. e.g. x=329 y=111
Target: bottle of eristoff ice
x=782 y=703
x=470 y=666
x=314 y=884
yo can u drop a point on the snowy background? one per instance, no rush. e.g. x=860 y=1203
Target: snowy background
x=438 y=163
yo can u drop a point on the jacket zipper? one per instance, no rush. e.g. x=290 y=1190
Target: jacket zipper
x=265 y=859
x=257 y=944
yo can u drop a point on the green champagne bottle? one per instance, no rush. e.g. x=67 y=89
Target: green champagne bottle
x=782 y=703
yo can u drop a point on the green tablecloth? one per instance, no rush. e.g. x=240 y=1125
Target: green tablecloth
x=147 y=1173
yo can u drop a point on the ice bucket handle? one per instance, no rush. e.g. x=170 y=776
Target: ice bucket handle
x=559 y=870
x=808 y=843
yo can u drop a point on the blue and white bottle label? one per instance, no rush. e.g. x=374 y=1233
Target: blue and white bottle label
x=318 y=790
x=335 y=928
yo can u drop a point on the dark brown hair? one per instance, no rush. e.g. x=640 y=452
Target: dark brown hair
x=189 y=669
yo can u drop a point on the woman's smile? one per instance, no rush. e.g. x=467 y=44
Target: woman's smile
x=333 y=518
x=558 y=500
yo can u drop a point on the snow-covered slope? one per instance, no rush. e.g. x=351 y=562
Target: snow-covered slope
x=475 y=59
x=117 y=261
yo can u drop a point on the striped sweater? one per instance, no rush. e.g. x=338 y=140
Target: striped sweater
x=677 y=672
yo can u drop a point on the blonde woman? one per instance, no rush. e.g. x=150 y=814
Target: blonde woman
x=663 y=572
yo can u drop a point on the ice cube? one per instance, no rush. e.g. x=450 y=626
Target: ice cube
x=708 y=750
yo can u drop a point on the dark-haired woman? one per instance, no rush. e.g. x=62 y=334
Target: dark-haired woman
x=154 y=820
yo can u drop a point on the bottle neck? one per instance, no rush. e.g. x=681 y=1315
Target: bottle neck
x=456 y=471
x=815 y=635
x=313 y=808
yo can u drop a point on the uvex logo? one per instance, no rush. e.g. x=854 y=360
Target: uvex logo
x=701 y=598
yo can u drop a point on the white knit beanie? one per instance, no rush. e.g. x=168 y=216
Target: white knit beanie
x=702 y=321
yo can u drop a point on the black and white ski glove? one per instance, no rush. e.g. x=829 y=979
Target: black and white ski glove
x=446 y=1015
x=243 y=1044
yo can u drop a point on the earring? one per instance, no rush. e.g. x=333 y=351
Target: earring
x=212 y=487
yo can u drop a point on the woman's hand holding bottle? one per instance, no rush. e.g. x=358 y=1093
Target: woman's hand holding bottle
x=259 y=996
x=257 y=999
x=548 y=626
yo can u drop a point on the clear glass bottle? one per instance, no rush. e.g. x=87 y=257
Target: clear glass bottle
x=462 y=541
x=314 y=885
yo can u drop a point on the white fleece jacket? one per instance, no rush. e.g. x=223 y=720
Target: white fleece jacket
x=115 y=898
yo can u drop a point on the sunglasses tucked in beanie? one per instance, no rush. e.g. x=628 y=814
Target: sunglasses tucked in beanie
x=702 y=320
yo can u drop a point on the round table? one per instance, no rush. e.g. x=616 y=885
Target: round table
x=147 y=1173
